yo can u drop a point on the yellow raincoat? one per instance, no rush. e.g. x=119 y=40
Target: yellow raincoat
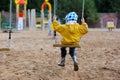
x=71 y=33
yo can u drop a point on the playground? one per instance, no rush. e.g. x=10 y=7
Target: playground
x=28 y=50
x=33 y=57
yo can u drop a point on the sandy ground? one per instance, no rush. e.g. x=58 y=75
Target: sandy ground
x=33 y=57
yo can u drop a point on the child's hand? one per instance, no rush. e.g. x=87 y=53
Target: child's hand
x=83 y=20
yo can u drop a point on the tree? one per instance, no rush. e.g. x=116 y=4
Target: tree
x=115 y=5
x=92 y=7
x=4 y=5
x=90 y=12
x=107 y=5
x=35 y=4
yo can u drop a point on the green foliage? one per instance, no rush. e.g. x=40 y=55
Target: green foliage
x=65 y=6
x=108 y=5
x=115 y=5
x=4 y=5
x=92 y=7
x=35 y=4
x=90 y=13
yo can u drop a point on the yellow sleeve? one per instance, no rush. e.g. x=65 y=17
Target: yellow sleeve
x=57 y=27
x=51 y=27
x=83 y=29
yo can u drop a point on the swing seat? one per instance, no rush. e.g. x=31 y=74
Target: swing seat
x=63 y=45
x=4 y=49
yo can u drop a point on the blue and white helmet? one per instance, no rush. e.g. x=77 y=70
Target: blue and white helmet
x=72 y=16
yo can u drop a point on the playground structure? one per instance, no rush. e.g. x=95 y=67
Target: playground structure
x=21 y=14
x=40 y=21
x=42 y=13
x=32 y=19
x=21 y=18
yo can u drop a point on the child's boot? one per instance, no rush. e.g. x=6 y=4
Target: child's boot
x=62 y=62
x=75 y=64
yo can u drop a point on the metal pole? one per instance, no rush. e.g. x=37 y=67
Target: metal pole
x=54 y=7
x=10 y=14
x=55 y=15
x=83 y=3
x=0 y=21
x=10 y=21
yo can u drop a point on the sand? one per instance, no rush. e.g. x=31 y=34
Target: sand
x=33 y=57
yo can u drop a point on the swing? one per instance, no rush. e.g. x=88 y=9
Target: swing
x=7 y=49
x=4 y=49
x=73 y=45
x=63 y=45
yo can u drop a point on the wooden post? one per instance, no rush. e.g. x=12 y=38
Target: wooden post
x=33 y=20
x=24 y=15
x=42 y=16
x=29 y=19
x=17 y=11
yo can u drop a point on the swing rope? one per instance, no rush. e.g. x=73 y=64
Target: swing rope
x=83 y=4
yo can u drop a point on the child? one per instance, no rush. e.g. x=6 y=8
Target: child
x=71 y=33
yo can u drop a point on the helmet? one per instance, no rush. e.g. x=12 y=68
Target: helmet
x=72 y=16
